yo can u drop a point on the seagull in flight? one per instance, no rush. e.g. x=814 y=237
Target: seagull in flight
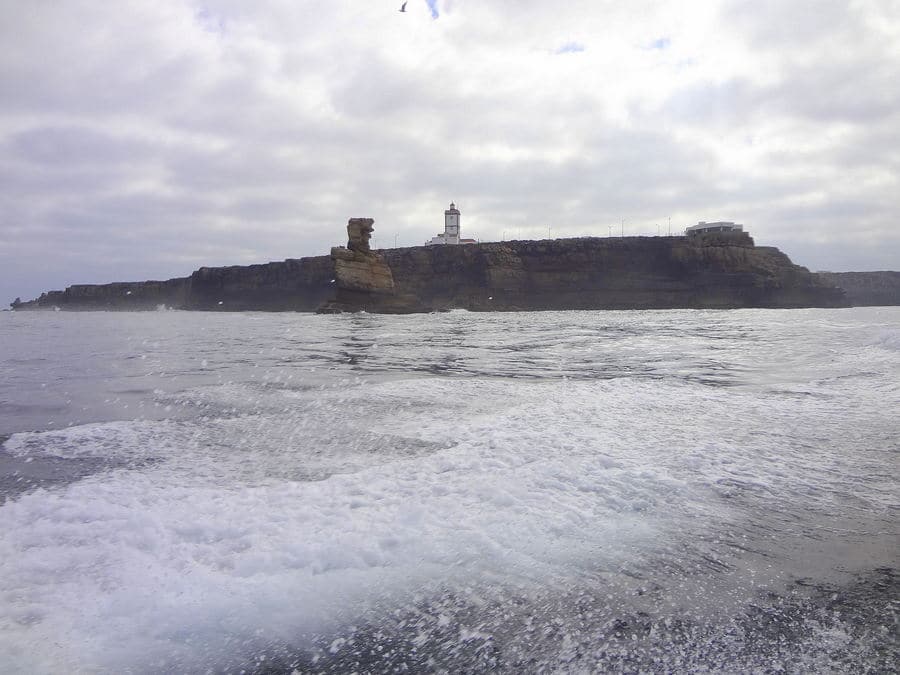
x=402 y=7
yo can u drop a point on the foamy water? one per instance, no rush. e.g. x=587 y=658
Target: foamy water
x=666 y=491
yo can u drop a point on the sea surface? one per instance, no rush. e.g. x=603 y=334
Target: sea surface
x=636 y=491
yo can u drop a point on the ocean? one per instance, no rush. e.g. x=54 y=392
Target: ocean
x=634 y=491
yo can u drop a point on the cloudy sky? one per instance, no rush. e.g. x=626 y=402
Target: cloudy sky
x=141 y=139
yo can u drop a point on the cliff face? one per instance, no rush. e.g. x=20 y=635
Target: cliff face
x=867 y=288
x=293 y=285
x=713 y=271
x=137 y=295
x=299 y=285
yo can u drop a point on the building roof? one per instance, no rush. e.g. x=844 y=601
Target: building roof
x=703 y=225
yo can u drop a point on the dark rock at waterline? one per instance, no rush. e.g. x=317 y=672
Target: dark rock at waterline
x=722 y=270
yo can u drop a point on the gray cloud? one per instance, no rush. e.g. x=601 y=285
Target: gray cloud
x=140 y=140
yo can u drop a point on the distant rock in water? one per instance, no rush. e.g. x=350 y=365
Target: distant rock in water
x=717 y=270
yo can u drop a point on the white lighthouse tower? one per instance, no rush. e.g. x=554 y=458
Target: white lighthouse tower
x=451 y=225
x=450 y=235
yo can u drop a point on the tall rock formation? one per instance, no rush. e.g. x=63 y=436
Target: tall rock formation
x=363 y=280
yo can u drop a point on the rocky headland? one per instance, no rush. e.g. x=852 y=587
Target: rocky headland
x=721 y=270
x=867 y=288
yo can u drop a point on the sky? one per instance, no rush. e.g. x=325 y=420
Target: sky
x=143 y=139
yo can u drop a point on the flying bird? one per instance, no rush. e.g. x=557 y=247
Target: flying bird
x=402 y=7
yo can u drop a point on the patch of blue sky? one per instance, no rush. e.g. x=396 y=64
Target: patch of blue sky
x=660 y=43
x=570 y=48
x=432 y=5
x=211 y=23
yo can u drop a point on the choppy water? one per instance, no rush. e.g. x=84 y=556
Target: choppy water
x=529 y=492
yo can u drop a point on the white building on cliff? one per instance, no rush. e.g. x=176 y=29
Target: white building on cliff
x=450 y=235
x=720 y=226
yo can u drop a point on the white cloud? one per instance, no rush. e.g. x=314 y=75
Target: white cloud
x=224 y=132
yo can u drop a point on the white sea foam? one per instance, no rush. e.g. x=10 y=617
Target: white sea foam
x=278 y=511
x=888 y=339
x=181 y=562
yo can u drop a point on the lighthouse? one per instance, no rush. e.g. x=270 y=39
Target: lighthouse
x=451 y=225
x=450 y=235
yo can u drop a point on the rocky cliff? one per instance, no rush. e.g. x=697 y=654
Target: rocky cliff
x=136 y=295
x=867 y=288
x=712 y=271
x=300 y=285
